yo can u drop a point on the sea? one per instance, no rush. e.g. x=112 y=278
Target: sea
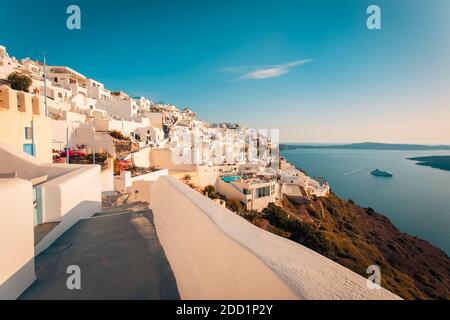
x=416 y=199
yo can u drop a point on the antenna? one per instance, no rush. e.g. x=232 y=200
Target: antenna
x=45 y=86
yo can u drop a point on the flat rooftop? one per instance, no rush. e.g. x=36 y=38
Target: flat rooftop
x=119 y=256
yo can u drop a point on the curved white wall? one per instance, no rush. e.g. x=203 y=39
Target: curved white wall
x=206 y=262
x=216 y=254
x=28 y=167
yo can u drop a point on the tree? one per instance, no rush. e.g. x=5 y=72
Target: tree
x=234 y=205
x=209 y=190
x=20 y=81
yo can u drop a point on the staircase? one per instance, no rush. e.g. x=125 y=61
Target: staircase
x=120 y=203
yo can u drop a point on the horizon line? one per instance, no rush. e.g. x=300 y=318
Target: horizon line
x=359 y=142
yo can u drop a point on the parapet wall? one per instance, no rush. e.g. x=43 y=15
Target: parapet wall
x=16 y=238
x=69 y=198
x=215 y=254
x=70 y=193
x=206 y=262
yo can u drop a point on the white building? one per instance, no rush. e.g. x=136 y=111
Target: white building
x=151 y=136
x=143 y=104
x=7 y=64
x=96 y=90
x=120 y=106
x=255 y=194
x=70 y=79
x=291 y=176
x=82 y=102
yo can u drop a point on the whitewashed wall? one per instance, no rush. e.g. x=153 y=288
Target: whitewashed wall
x=107 y=180
x=72 y=192
x=123 y=182
x=206 y=262
x=141 y=158
x=216 y=254
x=16 y=237
x=69 y=198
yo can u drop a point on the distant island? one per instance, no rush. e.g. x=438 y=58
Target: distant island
x=437 y=162
x=366 y=146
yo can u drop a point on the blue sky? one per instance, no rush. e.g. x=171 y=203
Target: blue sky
x=309 y=68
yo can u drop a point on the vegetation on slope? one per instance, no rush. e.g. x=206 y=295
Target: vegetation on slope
x=356 y=238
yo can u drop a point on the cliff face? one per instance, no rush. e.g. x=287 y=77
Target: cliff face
x=356 y=237
x=411 y=267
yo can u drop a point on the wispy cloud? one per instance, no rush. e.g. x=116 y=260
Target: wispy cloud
x=264 y=72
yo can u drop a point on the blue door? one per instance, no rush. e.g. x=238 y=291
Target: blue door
x=28 y=148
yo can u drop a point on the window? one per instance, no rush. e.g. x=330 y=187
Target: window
x=246 y=191
x=28 y=133
x=263 y=192
x=60 y=95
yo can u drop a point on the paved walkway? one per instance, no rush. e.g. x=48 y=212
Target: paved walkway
x=119 y=256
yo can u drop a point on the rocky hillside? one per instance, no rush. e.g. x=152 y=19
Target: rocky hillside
x=358 y=237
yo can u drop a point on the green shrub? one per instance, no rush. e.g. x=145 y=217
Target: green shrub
x=100 y=158
x=211 y=193
x=302 y=232
x=234 y=205
x=118 y=135
x=277 y=217
x=209 y=189
x=20 y=81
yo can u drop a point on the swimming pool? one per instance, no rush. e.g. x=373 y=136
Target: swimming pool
x=229 y=179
